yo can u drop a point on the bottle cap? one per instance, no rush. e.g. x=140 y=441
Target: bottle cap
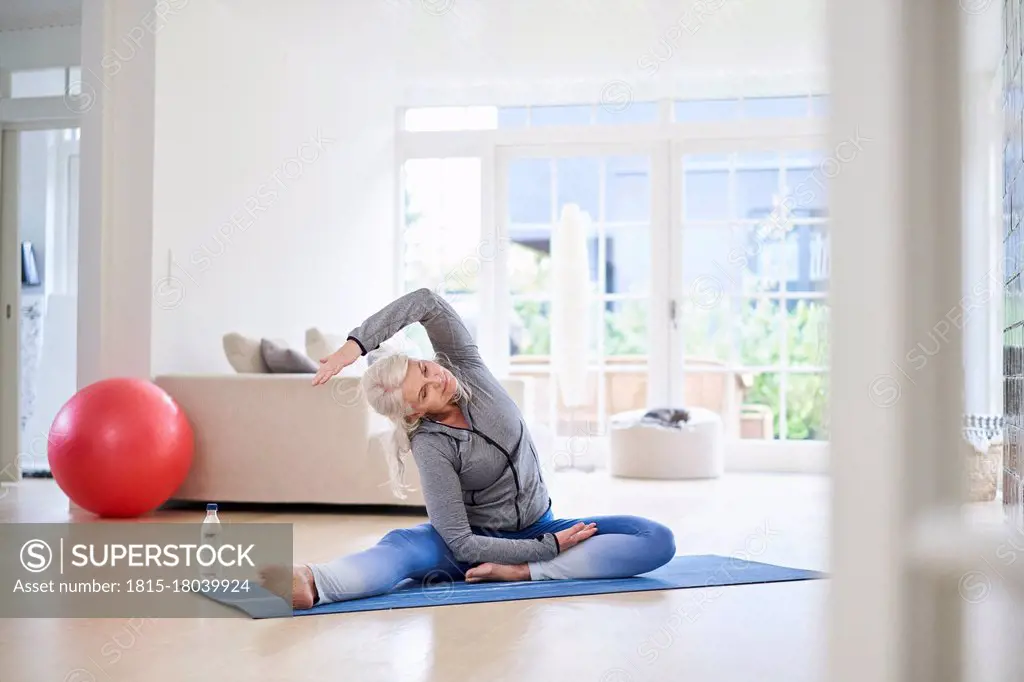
x=211 y=507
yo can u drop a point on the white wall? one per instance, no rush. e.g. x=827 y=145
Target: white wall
x=115 y=255
x=243 y=84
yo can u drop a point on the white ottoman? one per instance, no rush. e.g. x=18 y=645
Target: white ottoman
x=644 y=450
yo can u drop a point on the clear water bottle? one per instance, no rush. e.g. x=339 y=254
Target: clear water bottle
x=210 y=536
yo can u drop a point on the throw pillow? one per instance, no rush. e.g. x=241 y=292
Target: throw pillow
x=319 y=345
x=283 y=360
x=244 y=354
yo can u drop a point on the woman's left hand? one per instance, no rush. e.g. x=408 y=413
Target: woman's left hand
x=337 y=361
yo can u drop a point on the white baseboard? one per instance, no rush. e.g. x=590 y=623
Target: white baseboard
x=804 y=457
x=768 y=456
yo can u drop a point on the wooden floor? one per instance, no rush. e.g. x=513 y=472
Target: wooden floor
x=765 y=632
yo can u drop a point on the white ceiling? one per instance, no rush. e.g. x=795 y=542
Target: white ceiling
x=16 y=15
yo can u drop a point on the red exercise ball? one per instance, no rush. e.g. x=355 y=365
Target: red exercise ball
x=120 y=447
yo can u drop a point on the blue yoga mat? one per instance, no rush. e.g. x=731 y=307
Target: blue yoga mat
x=682 y=572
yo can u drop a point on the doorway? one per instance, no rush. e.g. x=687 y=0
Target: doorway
x=39 y=252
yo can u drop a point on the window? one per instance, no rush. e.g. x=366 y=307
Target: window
x=441 y=237
x=434 y=119
x=38 y=83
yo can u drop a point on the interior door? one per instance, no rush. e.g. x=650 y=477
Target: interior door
x=619 y=193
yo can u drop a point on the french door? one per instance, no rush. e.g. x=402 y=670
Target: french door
x=621 y=301
x=749 y=272
x=705 y=283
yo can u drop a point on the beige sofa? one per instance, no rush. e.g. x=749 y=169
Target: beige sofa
x=276 y=438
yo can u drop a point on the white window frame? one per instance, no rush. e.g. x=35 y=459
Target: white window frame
x=668 y=140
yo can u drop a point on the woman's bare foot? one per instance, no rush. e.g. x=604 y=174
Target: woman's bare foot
x=498 y=573
x=303 y=589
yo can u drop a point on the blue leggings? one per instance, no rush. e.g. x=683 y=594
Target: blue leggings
x=623 y=546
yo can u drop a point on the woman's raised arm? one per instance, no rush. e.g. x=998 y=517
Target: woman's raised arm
x=445 y=329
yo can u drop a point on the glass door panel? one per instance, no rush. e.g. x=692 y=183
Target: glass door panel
x=613 y=191
x=751 y=267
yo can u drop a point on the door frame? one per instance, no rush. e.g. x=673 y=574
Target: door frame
x=665 y=139
x=10 y=286
x=10 y=307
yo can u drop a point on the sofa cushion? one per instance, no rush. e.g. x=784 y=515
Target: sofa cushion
x=319 y=345
x=283 y=360
x=244 y=354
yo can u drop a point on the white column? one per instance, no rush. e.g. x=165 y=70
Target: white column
x=116 y=209
x=896 y=283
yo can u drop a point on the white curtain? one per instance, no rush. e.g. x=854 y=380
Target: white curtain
x=570 y=323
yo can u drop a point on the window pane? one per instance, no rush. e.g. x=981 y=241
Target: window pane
x=37 y=83
x=529 y=191
x=819 y=106
x=806 y=407
x=636 y=112
x=705 y=193
x=807 y=258
x=513 y=117
x=480 y=118
x=757 y=192
x=625 y=324
x=707 y=110
x=806 y=192
x=442 y=224
x=530 y=328
x=776 y=107
x=560 y=115
x=425 y=119
x=762 y=402
x=719 y=261
x=628 y=189
x=758 y=332
x=75 y=80
x=708 y=273
x=707 y=389
x=707 y=331
x=628 y=264
x=807 y=333
x=579 y=182
x=529 y=263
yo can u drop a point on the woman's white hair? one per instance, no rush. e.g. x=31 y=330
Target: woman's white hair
x=382 y=386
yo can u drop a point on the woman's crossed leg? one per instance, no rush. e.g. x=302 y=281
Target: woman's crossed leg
x=624 y=546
